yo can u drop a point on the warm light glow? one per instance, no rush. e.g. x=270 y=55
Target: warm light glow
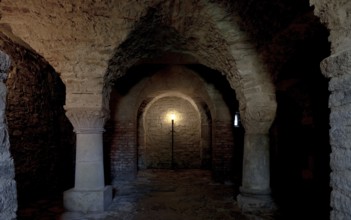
x=172 y=116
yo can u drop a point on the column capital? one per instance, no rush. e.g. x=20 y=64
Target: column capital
x=258 y=119
x=337 y=64
x=87 y=120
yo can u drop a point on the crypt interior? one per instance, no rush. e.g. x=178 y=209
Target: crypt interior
x=255 y=93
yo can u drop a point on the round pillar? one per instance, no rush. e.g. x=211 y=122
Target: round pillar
x=256 y=175
x=89 y=162
x=255 y=192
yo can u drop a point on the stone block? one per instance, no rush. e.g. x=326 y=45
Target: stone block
x=337 y=64
x=341 y=115
x=341 y=202
x=341 y=180
x=87 y=201
x=7 y=169
x=336 y=215
x=8 y=199
x=339 y=98
x=340 y=137
x=340 y=83
x=340 y=159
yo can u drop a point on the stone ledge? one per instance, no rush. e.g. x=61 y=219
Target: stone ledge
x=87 y=201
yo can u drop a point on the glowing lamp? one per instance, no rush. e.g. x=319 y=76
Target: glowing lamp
x=172 y=116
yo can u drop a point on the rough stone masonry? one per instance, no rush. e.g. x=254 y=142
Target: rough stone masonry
x=8 y=194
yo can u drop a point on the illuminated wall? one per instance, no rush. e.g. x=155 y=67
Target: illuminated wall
x=157 y=150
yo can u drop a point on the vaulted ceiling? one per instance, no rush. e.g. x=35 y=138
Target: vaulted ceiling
x=93 y=43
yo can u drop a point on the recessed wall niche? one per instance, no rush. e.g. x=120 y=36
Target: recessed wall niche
x=155 y=149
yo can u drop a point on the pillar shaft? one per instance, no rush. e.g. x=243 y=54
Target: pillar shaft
x=89 y=162
x=255 y=192
x=256 y=171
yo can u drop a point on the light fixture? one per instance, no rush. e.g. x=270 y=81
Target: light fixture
x=236 y=120
x=172 y=116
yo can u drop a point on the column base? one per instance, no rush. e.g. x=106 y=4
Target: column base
x=75 y=200
x=256 y=202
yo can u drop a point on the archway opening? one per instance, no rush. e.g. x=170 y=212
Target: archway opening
x=172 y=135
x=139 y=134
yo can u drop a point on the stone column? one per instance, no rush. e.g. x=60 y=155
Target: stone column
x=8 y=192
x=255 y=192
x=89 y=193
x=337 y=67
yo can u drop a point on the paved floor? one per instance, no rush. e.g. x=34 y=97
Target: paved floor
x=165 y=195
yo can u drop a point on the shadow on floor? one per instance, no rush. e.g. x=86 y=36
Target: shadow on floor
x=158 y=195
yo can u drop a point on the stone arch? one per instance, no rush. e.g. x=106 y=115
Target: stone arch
x=246 y=73
x=172 y=94
x=234 y=55
x=186 y=80
x=170 y=80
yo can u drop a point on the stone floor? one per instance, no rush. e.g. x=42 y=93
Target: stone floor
x=160 y=195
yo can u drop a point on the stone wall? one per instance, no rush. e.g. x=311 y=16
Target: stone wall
x=40 y=135
x=336 y=17
x=120 y=150
x=158 y=134
x=337 y=67
x=222 y=150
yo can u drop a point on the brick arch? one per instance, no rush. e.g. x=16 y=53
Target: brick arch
x=172 y=94
x=180 y=78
